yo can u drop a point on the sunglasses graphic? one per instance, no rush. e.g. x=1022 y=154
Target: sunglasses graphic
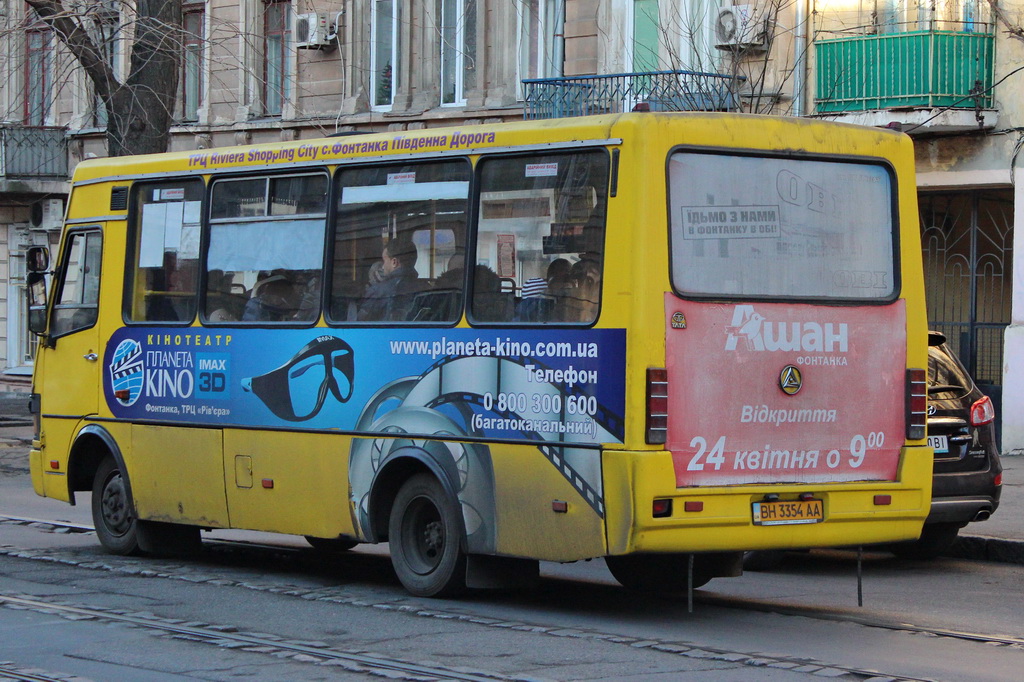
x=296 y=390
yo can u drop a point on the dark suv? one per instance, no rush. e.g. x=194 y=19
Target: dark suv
x=967 y=472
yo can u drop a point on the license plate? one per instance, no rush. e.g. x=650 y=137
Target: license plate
x=939 y=443
x=783 y=512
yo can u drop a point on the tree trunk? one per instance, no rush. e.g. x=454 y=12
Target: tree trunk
x=140 y=111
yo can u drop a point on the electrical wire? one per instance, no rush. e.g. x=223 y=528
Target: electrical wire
x=973 y=95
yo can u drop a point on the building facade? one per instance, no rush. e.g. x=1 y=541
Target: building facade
x=944 y=71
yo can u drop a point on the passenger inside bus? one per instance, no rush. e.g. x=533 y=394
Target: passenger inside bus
x=226 y=304
x=443 y=302
x=490 y=303
x=274 y=298
x=543 y=297
x=391 y=297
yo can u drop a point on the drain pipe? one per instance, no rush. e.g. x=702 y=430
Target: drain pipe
x=800 y=57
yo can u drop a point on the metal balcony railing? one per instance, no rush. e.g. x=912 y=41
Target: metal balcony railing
x=660 y=90
x=913 y=69
x=27 y=152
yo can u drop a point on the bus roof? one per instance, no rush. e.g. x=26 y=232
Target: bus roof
x=698 y=128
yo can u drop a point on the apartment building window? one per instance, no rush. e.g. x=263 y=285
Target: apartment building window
x=38 y=75
x=458 y=50
x=104 y=29
x=276 y=23
x=383 y=53
x=193 y=24
x=541 y=39
x=646 y=32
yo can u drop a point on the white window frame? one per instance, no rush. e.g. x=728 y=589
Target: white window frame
x=374 y=39
x=287 y=65
x=46 y=87
x=549 y=23
x=20 y=341
x=202 y=53
x=109 y=26
x=457 y=44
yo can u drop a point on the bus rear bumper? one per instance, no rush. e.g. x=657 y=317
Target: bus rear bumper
x=722 y=518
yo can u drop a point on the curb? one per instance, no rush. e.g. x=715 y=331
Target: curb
x=981 y=548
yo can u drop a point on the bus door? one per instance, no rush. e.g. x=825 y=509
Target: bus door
x=71 y=351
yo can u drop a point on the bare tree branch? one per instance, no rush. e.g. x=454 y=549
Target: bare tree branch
x=78 y=41
x=140 y=107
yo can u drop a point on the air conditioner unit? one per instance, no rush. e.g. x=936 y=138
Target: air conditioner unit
x=313 y=31
x=739 y=28
x=47 y=214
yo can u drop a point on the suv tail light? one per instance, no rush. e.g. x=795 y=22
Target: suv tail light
x=657 y=405
x=982 y=412
x=917 y=403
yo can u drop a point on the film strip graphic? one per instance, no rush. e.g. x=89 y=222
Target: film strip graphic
x=512 y=370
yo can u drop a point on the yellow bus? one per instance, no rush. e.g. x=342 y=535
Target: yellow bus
x=656 y=338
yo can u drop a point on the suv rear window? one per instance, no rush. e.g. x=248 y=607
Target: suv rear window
x=947 y=378
x=763 y=227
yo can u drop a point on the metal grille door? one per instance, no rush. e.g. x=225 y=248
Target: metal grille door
x=967 y=239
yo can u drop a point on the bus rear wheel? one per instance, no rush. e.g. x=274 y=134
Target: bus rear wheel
x=936 y=539
x=425 y=535
x=656 y=572
x=116 y=525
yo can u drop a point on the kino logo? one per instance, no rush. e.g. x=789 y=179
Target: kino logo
x=127 y=371
x=758 y=333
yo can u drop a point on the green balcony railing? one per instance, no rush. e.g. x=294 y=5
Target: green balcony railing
x=914 y=69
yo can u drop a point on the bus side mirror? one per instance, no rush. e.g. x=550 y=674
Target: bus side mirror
x=36 y=290
x=37 y=259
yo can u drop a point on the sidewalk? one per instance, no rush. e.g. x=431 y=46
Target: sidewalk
x=1000 y=538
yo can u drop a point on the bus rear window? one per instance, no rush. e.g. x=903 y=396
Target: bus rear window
x=756 y=227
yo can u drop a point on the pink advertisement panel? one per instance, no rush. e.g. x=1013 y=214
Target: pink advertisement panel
x=772 y=392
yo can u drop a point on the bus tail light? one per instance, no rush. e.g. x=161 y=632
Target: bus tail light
x=657 y=405
x=917 y=403
x=982 y=411
x=661 y=508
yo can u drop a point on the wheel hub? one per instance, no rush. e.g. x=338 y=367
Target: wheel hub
x=433 y=538
x=115 y=508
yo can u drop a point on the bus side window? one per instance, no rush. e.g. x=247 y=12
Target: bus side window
x=399 y=243
x=541 y=233
x=267 y=239
x=165 y=244
x=78 y=301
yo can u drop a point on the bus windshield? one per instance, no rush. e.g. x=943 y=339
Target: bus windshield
x=763 y=227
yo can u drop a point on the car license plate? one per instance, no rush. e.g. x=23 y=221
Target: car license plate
x=783 y=512
x=939 y=443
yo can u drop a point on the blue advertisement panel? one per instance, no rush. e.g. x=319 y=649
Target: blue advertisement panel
x=564 y=386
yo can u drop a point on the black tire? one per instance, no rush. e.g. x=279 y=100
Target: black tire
x=425 y=535
x=331 y=545
x=112 y=511
x=763 y=559
x=655 y=572
x=936 y=539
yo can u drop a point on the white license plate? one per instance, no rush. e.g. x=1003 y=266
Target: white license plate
x=939 y=443
x=781 y=512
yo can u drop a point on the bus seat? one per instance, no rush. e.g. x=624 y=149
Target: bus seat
x=535 y=309
x=439 y=305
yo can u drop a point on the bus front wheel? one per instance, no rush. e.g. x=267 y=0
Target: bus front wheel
x=116 y=525
x=425 y=536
